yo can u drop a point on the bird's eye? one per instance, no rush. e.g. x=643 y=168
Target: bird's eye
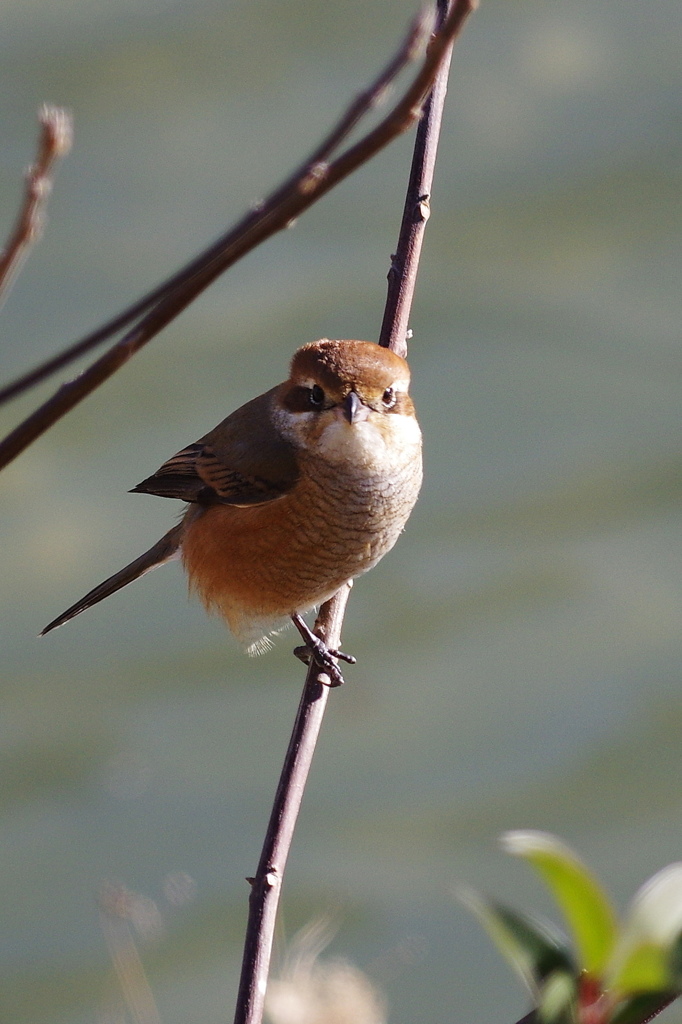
x=388 y=398
x=316 y=396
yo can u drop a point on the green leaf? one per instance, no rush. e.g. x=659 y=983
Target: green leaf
x=647 y=957
x=533 y=948
x=558 y=1001
x=645 y=969
x=584 y=905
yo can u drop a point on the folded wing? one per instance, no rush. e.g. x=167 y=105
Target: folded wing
x=243 y=461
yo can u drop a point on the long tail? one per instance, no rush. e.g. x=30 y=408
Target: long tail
x=161 y=552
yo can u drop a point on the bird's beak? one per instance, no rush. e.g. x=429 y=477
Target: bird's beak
x=353 y=409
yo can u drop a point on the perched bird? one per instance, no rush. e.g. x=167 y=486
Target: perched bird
x=295 y=493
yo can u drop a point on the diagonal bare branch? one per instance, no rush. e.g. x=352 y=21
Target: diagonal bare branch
x=300 y=191
x=368 y=99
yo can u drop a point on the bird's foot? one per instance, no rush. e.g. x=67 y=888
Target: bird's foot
x=316 y=649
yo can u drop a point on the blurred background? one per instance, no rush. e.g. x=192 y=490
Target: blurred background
x=520 y=651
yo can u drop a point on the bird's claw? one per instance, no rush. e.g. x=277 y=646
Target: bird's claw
x=316 y=649
x=324 y=657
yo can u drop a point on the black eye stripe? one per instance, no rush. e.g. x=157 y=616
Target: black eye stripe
x=299 y=398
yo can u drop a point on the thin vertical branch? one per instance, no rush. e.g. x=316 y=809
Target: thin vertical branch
x=56 y=134
x=402 y=276
x=266 y=885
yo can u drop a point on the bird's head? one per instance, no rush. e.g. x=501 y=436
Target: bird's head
x=348 y=400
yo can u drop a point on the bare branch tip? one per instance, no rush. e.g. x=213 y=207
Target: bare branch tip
x=57 y=125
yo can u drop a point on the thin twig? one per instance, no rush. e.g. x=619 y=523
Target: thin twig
x=309 y=184
x=412 y=46
x=266 y=886
x=54 y=142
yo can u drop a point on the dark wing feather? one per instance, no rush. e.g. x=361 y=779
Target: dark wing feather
x=177 y=478
x=243 y=461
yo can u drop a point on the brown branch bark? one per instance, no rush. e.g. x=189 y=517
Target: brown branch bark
x=267 y=883
x=266 y=886
x=313 y=180
x=54 y=142
x=402 y=275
